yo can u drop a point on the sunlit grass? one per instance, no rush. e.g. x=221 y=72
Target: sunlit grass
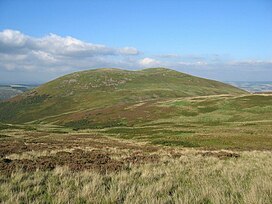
x=188 y=179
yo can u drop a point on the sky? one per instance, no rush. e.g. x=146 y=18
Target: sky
x=226 y=40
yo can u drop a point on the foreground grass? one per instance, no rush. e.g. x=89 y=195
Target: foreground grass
x=191 y=178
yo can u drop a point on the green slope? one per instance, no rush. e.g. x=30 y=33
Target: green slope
x=77 y=93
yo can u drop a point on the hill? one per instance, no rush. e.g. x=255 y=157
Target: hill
x=72 y=97
x=7 y=92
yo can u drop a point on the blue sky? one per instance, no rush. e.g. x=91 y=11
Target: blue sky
x=223 y=40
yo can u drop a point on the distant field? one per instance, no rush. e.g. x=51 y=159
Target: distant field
x=258 y=86
x=9 y=91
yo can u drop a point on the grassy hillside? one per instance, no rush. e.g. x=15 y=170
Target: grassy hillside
x=100 y=88
x=150 y=136
x=213 y=122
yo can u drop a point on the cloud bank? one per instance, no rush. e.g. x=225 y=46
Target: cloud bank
x=52 y=52
x=54 y=55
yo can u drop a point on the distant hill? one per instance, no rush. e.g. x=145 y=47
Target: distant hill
x=7 y=92
x=253 y=86
x=10 y=90
x=67 y=98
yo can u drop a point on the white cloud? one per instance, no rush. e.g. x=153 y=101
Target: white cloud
x=44 y=56
x=149 y=62
x=172 y=56
x=250 y=62
x=12 y=38
x=68 y=46
x=53 y=52
x=129 y=51
x=56 y=54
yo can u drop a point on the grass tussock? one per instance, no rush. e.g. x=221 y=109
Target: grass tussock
x=190 y=178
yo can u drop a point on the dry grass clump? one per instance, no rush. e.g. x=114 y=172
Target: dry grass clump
x=190 y=178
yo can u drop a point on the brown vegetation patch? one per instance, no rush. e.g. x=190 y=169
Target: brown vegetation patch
x=77 y=160
x=176 y=155
x=138 y=158
x=220 y=154
x=12 y=146
x=130 y=113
